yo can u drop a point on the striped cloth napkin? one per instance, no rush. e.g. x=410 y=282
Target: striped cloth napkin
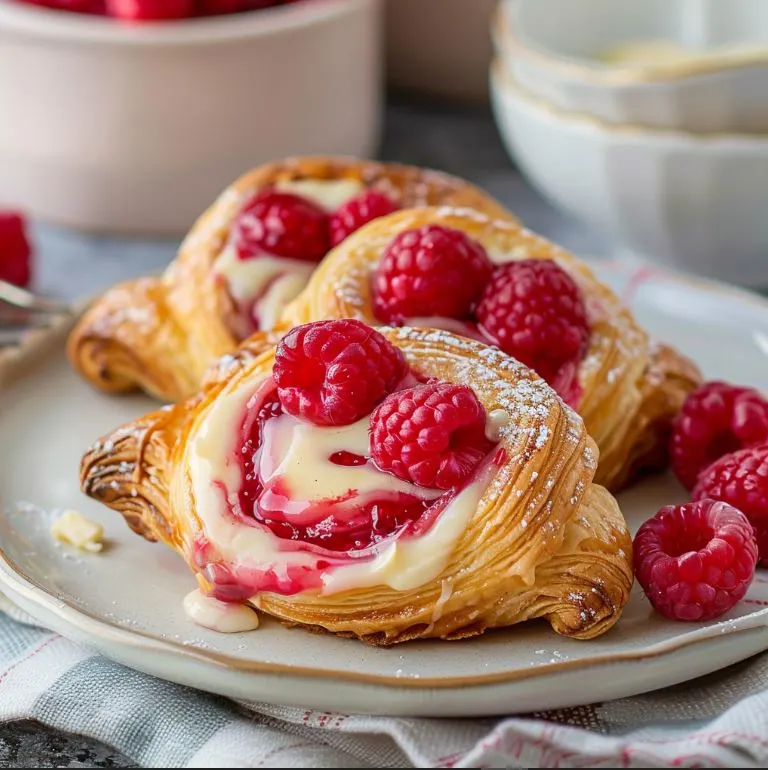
x=718 y=721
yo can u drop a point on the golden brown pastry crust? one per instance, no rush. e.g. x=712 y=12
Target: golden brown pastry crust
x=160 y=334
x=545 y=541
x=631 y=387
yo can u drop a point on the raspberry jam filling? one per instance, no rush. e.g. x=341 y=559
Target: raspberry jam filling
x=349 y=522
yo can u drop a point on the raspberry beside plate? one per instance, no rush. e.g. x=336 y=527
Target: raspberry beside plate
x=695 y=561
x=15 y=249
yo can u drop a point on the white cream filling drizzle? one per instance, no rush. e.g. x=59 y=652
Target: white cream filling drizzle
x=446 y=592
x=279 y=293
x=300 y=455
x=329 y=194
x=496 y=424
x=224 y=617
x=274 y=280
x=410 y=563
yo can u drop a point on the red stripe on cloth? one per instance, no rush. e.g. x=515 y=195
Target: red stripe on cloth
x=275 y=752
x=449 y=760
x=513 y=746
x=720 y=736
x=636 y=280
x=27 y=657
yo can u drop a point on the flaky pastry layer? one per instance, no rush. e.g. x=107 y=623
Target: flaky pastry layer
x=160 y=334
x=631 y=387
x=544 y=541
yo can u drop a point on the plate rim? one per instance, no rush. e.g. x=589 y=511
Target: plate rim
x=91 y=624
x=12 y=575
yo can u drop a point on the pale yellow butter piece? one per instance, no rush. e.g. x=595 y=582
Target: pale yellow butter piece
x=74 y=529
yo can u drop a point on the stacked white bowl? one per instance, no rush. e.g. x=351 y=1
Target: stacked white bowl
x=647 y=119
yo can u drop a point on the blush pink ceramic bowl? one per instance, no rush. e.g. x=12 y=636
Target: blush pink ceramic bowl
x=136 y=129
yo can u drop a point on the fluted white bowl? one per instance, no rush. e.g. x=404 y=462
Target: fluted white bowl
x=553 y=48
x=690 y=202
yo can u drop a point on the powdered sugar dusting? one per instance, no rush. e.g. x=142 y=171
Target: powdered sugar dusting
x=526 y=398
x=348 y=290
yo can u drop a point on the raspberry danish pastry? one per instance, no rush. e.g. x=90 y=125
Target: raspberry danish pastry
x=244 y=259
x=496 y=282
x=385 y=485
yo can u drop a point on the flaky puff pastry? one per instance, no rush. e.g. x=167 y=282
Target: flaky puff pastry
x=541 y=539
x=160 y=334
x=630 y=386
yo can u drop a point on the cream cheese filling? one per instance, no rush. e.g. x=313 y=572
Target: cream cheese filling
x=300 y=456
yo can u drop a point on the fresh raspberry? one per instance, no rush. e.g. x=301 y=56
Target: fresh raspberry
x=432 y=435
x=357 y=212
x=75 y=6
x=219 y=7
x=432 y=271
x=533 y=310
x=150 y=10
x=695 y=561
x=257 y=5
x=761 y=536
x=15 y=251
x=282 y=224
x=741 y=480
x=335 y=372
x=715 y=420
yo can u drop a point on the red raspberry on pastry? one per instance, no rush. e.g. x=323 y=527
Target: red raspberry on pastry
x=283 y=225
x=432 y=435
x=741 y=480
x=715 y=420
x=533 y=310
x=150 y=10
x=695 y=561
x=358 y=212
x=430 y=271
x=335 y=372
x=15 y=251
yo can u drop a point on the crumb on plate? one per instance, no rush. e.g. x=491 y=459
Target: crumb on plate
x=75 y=529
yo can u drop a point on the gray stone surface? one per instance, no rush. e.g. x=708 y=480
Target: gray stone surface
x=30 y=745
x=74 y=265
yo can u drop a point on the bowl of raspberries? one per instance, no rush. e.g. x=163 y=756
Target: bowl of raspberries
x=129 y=116
x=156 y=10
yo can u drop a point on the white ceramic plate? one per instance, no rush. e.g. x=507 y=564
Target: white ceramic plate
x=127 y=602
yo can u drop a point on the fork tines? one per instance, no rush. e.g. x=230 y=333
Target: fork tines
x=21 y=312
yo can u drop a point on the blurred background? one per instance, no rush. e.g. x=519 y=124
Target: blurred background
x=627 y=129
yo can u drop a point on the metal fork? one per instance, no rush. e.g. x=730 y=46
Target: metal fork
x=22 y=311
